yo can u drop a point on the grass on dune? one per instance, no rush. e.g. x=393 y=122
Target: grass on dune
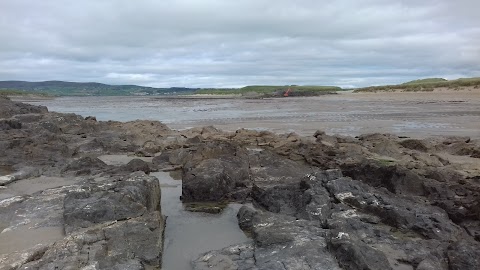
x=425 y=85
x=266 y=89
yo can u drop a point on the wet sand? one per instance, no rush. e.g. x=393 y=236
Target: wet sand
x=419 y=114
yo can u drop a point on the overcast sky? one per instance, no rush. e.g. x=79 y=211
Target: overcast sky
x=223 y=43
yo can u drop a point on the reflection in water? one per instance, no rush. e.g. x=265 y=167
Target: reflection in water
x=187 y=234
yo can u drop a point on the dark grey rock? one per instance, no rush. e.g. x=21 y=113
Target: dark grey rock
x=85 y=165
x=464 y=255
x=358 y=256
x=280 y=242
x=131 y=197
x=429 y=221
x=214 y=180
x=136 y=165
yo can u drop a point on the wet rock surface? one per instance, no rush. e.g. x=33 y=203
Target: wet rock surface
x=63 y=208
x=373 y=202
x=377 y=201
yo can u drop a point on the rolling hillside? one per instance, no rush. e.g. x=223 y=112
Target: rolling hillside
x=61 y=88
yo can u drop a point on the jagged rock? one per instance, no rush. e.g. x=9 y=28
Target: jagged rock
x=6 y=124
x=9 y=108
x=429 y=221
x=214 y=180
x=85 y=165
x=91 y=118
x=96 y=203
x=464 y=255
x=109 y=225
x=396 y=179
x=389 y=216
x=128 y=244
x=136 y=165
x=356 y=255
x=280 y=242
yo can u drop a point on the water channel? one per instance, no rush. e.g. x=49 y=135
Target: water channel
x=189 y=234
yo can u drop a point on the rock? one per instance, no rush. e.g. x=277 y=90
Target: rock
x=128 y=244
x=318 y=133
x=85 y=165
x=412 y=204
x=280 y=242
x=9 y=108
x=136 y=165
x=162 y=160
x=6 y=124
x=429 y=221
x=108 y=225
x=356 y=255
x=396 y=179
x=214 y=180
x=245 y=218
x=205 y=207
x=93 y=204
x=413 y=144
x=91 y=118
x=432 y=263
x=463 y=255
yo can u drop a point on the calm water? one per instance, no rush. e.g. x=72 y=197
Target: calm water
x=161 y=109
x=418 y=115
x=187 y=234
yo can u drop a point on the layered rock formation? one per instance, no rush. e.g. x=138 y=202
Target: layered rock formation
x=322 y=202
x=62 y=207
x=388 y=203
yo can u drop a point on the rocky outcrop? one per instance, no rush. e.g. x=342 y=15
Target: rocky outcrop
x=81 y=213
x=107 y=224
x=322 y=202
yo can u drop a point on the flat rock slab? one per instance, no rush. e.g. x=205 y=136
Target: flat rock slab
x=119 y=160
x=111 y=224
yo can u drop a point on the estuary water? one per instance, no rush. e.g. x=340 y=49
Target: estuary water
x=406 y=114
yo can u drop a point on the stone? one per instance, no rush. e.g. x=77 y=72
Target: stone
x=464 y=255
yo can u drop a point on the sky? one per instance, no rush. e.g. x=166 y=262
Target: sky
x=233 y=43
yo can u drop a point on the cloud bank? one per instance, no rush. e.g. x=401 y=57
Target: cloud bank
x=219 y=43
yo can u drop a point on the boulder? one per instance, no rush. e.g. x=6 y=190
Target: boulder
x=214 y=180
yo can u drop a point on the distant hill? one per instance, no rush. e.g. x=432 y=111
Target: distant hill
x=61 y=88
x=425 y=85
x=427 y=80
x=272 y=91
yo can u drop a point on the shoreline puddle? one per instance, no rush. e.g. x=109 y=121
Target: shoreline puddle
x=24 y=237
x=189 y=234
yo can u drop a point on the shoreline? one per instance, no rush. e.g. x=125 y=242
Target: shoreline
x=312 y=197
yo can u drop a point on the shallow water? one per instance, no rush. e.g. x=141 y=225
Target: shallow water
x=187 y=234
x=24 y=237
x=416 y=115
x=32 y=185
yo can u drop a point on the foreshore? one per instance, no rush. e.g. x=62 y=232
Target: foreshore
x=317 y=201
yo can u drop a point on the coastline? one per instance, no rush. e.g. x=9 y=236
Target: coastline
x=318 y=188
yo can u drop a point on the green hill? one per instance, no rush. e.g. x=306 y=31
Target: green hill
x=270 y=90
x=427 y=80
x=425 y=85
x=61 y=88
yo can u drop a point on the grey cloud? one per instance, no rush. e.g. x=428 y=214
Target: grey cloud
x=233 y=43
